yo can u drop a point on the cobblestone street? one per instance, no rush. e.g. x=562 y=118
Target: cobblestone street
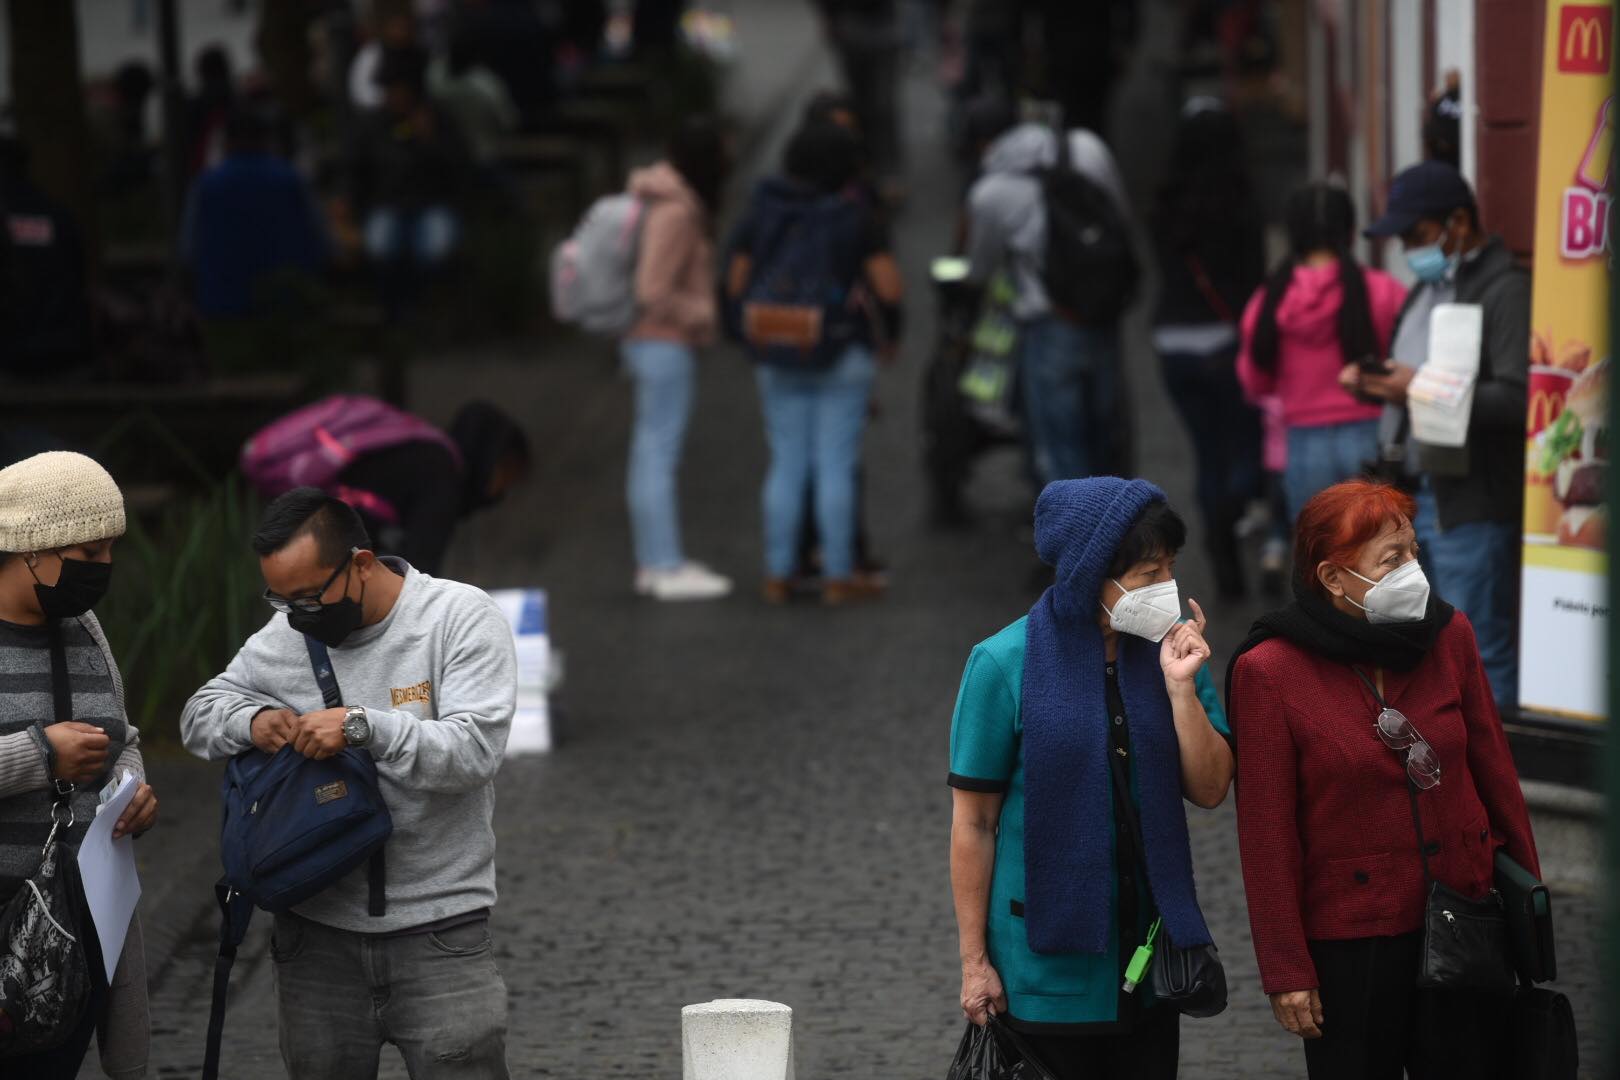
x=746 y=801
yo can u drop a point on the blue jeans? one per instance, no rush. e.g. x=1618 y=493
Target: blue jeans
x=814 y=422
x=424 y=237
x=1070 y=385
x=1475 y=567
x=1319 y=457
x=341 y=995
x=665 y=375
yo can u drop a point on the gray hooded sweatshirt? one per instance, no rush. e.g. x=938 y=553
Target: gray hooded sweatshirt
x=1006 y=212
x=438 y=679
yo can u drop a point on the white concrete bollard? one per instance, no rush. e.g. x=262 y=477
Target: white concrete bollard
x=737 y=1039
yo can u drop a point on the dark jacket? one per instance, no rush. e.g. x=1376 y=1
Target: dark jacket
x=1484 y=480
x=1230 y=254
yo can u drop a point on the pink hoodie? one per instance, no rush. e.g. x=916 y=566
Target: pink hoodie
x=675 y=274
x=1309 y=358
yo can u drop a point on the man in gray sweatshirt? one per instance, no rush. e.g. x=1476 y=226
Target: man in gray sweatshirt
x=428 y=675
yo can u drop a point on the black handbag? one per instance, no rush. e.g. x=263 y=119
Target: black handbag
x=1544 y=1046
x=1528 y=904
x=1190 y=980
x=44 y=973
x=1465 y=942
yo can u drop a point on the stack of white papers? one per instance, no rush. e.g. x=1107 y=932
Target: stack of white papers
x=1440 y=399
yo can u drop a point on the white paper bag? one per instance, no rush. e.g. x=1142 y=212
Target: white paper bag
x=1440 y=399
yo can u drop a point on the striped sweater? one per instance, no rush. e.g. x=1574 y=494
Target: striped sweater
x=26 y=707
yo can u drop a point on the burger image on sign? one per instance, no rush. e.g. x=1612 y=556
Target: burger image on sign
x=1573 y=454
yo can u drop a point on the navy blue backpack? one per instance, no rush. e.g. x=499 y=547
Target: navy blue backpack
x=801 y=308
x=293 y=827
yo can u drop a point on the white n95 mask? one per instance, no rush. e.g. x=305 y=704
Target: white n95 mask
x=1400 y=596
x=1149 y=612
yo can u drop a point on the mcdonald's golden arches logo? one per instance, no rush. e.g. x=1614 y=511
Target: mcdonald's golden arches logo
x=1585 y=39
x=1545 y=406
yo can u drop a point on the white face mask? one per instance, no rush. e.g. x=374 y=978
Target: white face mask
x=1149 y=612
x=1402 y=595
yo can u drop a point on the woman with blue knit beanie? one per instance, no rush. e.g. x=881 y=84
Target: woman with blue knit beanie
x=1094 y=709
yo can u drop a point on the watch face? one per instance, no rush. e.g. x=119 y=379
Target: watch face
x=355 y=729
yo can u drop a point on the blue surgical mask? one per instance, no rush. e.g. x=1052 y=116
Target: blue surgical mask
x=1430 y=264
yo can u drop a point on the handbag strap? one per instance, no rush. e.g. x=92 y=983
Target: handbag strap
x=1411 y=788
x=235 y=912
x=1211 y=295
x=320 y=662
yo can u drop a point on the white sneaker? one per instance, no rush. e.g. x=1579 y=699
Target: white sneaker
x=690 y=581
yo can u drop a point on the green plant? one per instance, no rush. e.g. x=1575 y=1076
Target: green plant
x=184 y=598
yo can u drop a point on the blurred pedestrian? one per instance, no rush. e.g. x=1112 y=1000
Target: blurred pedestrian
x=208 y=111
x=1362 y=714
x=1079 y=730
x=428 y=676
x=410 y=172
x=1209 y=235
x=866 y=36
x=411 y=482
x=393 y=29
x=1319 y=313
x=814 y=292
x=247 y=220
x=1085 y=47
x=474 y=98
x=1470 y=498
x=1069 y=367
x=675 y=298
x=44 y=292
x=64 y=736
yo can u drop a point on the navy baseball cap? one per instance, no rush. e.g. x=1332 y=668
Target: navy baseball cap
x=1431 y=190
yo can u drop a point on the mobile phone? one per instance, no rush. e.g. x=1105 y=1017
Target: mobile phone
x=1375 y=365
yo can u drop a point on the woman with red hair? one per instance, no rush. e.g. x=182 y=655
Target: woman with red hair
x=1329 y=784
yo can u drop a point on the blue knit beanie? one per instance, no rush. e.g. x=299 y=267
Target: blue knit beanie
x=1079 y=525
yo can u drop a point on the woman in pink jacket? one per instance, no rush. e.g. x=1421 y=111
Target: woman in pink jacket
x=1319 y=311
x=675 y=299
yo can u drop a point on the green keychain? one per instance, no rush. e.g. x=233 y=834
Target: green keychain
x=1136 y=970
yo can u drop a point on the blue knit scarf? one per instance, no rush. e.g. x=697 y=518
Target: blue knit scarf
x=1069 y=813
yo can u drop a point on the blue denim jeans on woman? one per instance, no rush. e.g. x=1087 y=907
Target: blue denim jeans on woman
x=814 y=422
x=1070 y=385
x=1475 y=568
x=1319 y=457
x=665 y=375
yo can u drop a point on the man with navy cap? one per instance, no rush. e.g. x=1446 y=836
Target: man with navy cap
x=1470 y=498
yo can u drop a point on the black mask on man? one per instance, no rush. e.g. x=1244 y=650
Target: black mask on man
x=79 y=588
x=333 y=623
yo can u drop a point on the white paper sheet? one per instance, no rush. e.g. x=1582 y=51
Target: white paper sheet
x=111 y=885
x=526 y=611
x=1440 y=399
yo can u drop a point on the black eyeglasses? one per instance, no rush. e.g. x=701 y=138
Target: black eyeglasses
x=310 y=604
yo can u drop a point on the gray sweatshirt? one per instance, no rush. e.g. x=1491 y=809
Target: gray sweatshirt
x=438 y=679
x=1007 y=213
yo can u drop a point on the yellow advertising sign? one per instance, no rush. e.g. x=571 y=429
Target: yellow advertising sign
x=1563 y=663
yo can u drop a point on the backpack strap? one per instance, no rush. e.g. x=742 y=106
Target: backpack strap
x=235 y=913
x=320 y=661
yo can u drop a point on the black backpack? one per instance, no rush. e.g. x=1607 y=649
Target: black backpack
x=1091 y=272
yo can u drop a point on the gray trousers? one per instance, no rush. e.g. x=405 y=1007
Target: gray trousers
x=436 y=996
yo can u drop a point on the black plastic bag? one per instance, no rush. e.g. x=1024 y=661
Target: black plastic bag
x=995 y=1052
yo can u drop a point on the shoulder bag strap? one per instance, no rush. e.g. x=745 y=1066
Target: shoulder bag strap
x=1411 y=788
x=320 y=661
x=1211 y=295
x=235 y=912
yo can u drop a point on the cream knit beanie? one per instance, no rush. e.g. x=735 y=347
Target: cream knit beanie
x=55 y=500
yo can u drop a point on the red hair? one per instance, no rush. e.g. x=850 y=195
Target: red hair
x=1338 y=520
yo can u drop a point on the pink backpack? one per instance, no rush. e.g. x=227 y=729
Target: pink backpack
x=313 y=445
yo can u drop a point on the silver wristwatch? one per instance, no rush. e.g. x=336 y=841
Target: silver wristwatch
x=356 y=728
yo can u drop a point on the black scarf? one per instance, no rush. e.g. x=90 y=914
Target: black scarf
x=1314 y=624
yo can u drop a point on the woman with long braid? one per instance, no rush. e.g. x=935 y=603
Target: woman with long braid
x=1318 y=312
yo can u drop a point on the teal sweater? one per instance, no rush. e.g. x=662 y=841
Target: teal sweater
x=987 y=747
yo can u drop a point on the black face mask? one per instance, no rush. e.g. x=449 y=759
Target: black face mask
x=79 y=587
x=333 y=623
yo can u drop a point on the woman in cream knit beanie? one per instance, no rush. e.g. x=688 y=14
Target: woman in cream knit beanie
x=59 y=515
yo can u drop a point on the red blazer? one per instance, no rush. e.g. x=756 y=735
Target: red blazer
x=1324 y=821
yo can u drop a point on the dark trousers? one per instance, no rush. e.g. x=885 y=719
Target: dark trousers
x=1377 y=1023
x=1225 y=433
x=1149 y=1051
